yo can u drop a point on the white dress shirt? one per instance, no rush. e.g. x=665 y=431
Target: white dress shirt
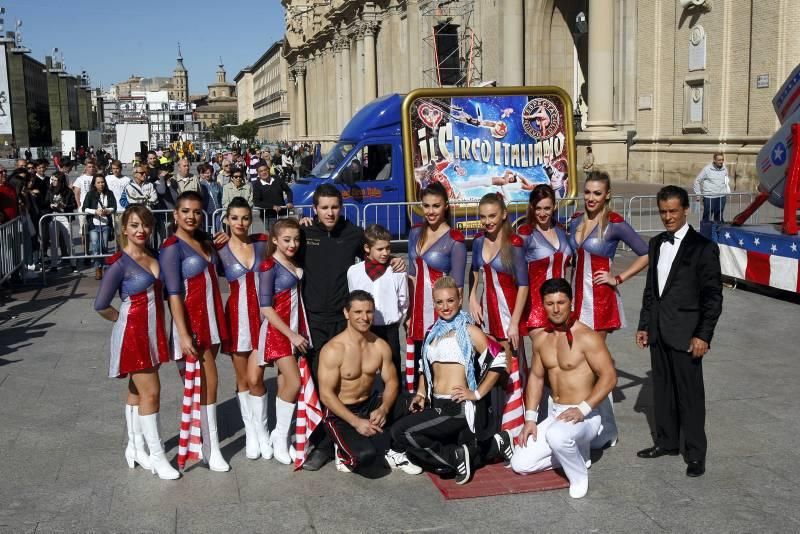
x=666 y=256
x=390 y=292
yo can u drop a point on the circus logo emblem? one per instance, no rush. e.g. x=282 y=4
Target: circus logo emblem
x=541 y=118
x=430 y=115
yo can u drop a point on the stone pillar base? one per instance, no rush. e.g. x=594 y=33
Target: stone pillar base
x=610 y=151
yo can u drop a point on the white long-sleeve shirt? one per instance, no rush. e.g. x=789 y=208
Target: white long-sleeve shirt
x=390 y=292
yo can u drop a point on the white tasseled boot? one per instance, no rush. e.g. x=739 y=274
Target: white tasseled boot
x=250 y=437
x=159 y=464
x=258 y=408
x=280 y=435
x=208 y=426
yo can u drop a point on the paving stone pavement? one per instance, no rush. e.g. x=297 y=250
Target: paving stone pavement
x=63 y=434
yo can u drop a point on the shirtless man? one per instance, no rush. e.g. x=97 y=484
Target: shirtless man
x=581 y=374
x=355 y=415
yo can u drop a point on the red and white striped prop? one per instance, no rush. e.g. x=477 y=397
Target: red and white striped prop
x=410 y=365
x=514 y=411
x=190 y=440
x=309 y=413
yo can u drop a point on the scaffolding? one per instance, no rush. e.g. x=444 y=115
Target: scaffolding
x=456 y=48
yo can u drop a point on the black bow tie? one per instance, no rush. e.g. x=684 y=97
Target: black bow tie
x=668 y=237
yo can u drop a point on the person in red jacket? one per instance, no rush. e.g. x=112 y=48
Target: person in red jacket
x=9 y=207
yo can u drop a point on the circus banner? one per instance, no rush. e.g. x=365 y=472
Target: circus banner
x=477 y=141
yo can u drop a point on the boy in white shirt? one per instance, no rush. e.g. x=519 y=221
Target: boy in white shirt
x=388 y=288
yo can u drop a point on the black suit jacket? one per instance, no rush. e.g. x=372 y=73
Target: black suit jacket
x=692 y=299
x=267 y=195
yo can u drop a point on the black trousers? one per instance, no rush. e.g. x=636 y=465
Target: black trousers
x=322 y=329
x=357 y=451
x=390 y=333
x=680 y=397
x=430 y=437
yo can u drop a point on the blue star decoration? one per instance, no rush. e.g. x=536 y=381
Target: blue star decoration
x=779 y=154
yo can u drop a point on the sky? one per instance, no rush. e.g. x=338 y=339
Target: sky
x=113 y=39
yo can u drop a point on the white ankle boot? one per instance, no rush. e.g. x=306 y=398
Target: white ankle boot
x=208 y=426
x=258 y=410
x=251 y=440
x=159 y=464
x=280 y=435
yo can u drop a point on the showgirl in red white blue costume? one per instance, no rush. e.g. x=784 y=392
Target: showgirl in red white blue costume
x=240 y=258
x=594 y=236
x=284 y=331
x=198 y=322
x=547 y=250
x=434 y=250
x=138 y=339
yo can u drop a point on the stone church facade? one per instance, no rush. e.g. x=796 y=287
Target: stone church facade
x=659 y=85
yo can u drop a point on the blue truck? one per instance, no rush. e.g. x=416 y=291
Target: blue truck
x=471 y=140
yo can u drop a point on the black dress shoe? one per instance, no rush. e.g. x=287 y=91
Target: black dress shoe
x=656 y=451
x=316 y=460
x=695 y=468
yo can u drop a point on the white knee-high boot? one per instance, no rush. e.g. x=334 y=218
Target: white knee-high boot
x=141 y=455
x=251 y=439
x=258 y=409
x=211 y=453
x=280 y=436
x=159 y=464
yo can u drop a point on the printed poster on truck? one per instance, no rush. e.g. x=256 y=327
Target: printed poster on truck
x=480 y=140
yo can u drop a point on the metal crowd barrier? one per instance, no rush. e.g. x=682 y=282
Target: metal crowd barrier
x=351 y=212
x=398 y=217
x=642 y=211
x=11 y=248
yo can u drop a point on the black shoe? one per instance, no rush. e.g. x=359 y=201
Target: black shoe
x=316 y=459
x=695 y=468
x=463 y=468
x=505 y=444
x=657 y=451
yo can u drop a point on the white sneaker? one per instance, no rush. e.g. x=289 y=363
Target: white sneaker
x=339 y=462
x=579 y=489
x=399 y=460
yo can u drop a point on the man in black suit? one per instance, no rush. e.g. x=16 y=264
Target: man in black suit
x=271 y=195
x=681 y=304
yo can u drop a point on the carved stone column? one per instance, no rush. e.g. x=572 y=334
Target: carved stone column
x=370 y=68
x=601 y=65
x=299 y=71
x=347 y=85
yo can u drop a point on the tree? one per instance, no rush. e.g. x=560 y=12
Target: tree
x=247 y=130
x=225 y=125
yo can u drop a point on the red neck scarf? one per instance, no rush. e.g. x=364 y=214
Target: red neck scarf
x=565 y=327
x=374 y=269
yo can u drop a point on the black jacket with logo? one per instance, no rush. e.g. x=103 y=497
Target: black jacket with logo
x=326 y=256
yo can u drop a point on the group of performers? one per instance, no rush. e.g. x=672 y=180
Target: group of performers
x=462 y=359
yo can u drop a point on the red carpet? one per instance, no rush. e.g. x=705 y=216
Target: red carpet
x=496 y=479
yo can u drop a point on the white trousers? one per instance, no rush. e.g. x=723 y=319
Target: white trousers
x=558 y=443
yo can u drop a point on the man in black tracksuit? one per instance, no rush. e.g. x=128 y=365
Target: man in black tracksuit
x=330 y=246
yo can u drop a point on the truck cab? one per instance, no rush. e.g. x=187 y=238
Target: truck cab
x=366 y=164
